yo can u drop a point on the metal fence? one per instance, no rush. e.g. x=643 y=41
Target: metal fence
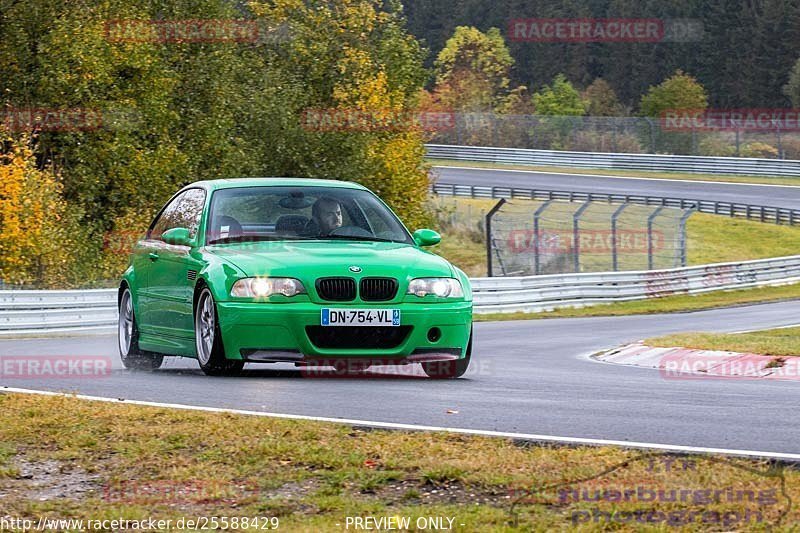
x=778 y=215
x=619 y=161
x=525 y=237
x=631 y=135
x=38 y=313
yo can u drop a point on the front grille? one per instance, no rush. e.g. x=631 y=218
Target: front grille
x=336 y=289
x=357 y=337
x=377 y=289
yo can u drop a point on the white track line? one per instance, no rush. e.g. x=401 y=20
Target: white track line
x=764 y=329
x=711 y=182
x=414 y=427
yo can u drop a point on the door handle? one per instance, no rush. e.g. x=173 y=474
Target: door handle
x=153 y=256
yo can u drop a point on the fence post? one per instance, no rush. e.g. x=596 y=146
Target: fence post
x=737 y=142
x=650 y=220
x=489 y=241
x=682 y=229
x=536 y=240
x=614 y=217
x=652 y=135
x=576 y=234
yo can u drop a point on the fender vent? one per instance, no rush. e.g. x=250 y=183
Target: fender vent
x=191 y=275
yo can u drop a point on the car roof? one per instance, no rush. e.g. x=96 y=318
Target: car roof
x=231 y=183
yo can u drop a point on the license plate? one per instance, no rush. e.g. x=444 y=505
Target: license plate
x=360 y=317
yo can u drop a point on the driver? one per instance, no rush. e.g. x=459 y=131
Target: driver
x=326 y=216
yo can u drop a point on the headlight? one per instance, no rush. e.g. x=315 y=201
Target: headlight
x=264 y=287
x=440 y=287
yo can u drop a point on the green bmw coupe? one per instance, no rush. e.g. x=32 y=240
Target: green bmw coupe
x=312 y=272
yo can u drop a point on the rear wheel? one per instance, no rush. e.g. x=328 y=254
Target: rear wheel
x=210 y=352
x=128 y=339
x=449 y=369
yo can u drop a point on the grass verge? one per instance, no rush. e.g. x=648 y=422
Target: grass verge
x=779 y=342
x=768 y=180
x=66 y=458
x=668 y=304
x=718 y=239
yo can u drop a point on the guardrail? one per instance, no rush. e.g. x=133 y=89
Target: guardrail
x=779 y=215
x=614 y=161
x=36 y=313
x=544 y=293
x=39 y=313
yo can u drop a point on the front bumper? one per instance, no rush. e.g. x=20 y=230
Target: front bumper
x=268 y=332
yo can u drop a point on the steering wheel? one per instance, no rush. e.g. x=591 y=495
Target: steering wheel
x=350 y=231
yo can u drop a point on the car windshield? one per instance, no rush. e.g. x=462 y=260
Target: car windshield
x=300 y=213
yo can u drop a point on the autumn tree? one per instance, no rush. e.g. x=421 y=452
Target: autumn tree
x=601 y=100
x=346 y=55
x=792 y=87
x=37 y=229
x=680 y=91
x=472 y=70
x=559 y=99
x=175 y=111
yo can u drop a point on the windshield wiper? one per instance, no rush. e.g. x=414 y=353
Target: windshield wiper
x=240 y=238
x=355 y=238
x=256 y=238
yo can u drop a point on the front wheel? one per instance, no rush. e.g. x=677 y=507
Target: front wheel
x=449 y=369
x=128 y=339
x=210 y=352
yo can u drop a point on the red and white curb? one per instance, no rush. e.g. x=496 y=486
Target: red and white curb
x=685 y=363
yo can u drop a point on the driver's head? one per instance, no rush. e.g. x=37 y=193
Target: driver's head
x=327 y=213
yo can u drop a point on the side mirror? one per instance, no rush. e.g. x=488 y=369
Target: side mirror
x=179 y=236
x=426 y=237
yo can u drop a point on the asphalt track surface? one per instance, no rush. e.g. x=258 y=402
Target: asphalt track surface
x=526 y=377
x=763 y=195
x=529 y=377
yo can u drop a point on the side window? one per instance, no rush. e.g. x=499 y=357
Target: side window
x=190 y=210
x=184 y=211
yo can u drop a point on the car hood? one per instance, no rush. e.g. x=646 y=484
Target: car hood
x=311 y=259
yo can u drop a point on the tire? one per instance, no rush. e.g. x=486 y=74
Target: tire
x=131 y=355
x=208 y=340
x=450 y=369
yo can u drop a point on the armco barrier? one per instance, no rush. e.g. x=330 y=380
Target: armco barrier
x=613 y=161
x=543 y=293
x=38 y=313
x=779 y=215
x=34 y=313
